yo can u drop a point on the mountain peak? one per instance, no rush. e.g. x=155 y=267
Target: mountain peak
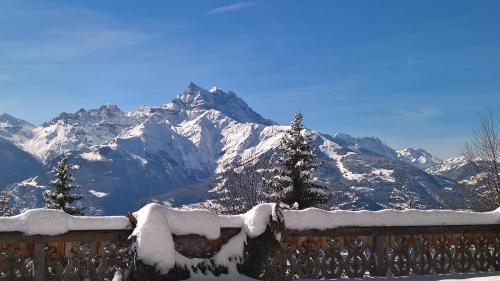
x=418 y=157
x=13 y=121
x=193 y=87
x=372 y=144
x=104 y=111
x=7 y=116
x=214 y=89
x=196 y=98
x=110 y=109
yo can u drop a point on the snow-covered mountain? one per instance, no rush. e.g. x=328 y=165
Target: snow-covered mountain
x=15 y=163
x=170 y=152
x=365 y=144
x=71 y=131
x=14 y=129
x=418 y=157
x=458 y=170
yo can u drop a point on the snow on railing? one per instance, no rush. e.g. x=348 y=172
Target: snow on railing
x=46 y=244
x=43 y=244
x=53 y=222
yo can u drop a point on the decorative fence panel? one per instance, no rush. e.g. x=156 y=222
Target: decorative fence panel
x=196 y=246
x=385 y=251
x=76 y=255
x=341 y=252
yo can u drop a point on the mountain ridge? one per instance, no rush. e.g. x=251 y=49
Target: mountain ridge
x=176 y=148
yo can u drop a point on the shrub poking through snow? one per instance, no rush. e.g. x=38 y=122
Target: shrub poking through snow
x=60 y=197
x=297 y=163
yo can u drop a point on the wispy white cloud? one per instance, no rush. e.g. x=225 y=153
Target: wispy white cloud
x=4 y=77
x=230 y=8
x=67 y=45
x=420 y=113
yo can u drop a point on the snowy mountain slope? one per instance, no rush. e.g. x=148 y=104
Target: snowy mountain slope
x=365 y=144
x=14 y=129
x=418 y=157
x=447 y=166
x=70 y=131
x=170 y=152
x=458 y=170
x=16 y=164
x=367 y=180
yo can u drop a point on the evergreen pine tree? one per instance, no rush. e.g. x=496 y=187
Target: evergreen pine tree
x=61 y=197
x=297 y=164
x=5 y=210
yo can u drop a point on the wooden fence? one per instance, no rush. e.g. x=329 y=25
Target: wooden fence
x=341 y=252
x=385 y=251
x=76 y=255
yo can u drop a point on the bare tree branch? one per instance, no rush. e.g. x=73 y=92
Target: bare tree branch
x=237 y=191
x=482 y=151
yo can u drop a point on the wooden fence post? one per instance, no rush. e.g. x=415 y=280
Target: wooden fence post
x=39 y=261
x=379 y=251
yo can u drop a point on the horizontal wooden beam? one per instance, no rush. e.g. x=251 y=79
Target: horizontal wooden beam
x=395 y=230
x=71 y=236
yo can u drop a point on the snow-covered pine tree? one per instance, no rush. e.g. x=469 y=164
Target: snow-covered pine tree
x=297 y=163
x=5 y=210
x=60 y=197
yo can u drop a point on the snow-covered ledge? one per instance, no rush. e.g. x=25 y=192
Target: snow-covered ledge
x=54 y=222
x=321 y=219
x=157 y=226
x=160 y=220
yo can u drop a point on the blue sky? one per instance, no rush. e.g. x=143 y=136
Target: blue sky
x=414 y=73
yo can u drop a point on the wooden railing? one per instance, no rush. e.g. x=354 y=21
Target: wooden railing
x=385 y=251
x=76 y=255
x=314 y=254
x=196 y=246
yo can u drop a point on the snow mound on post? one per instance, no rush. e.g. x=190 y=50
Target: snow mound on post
x=257 y=219
x=54 y=222
x=255 y=223
x=156 y=225
x=154 y=242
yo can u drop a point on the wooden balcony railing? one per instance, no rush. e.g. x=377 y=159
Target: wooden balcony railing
x=76 y=255
x=356 y=252
x=312 y=254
